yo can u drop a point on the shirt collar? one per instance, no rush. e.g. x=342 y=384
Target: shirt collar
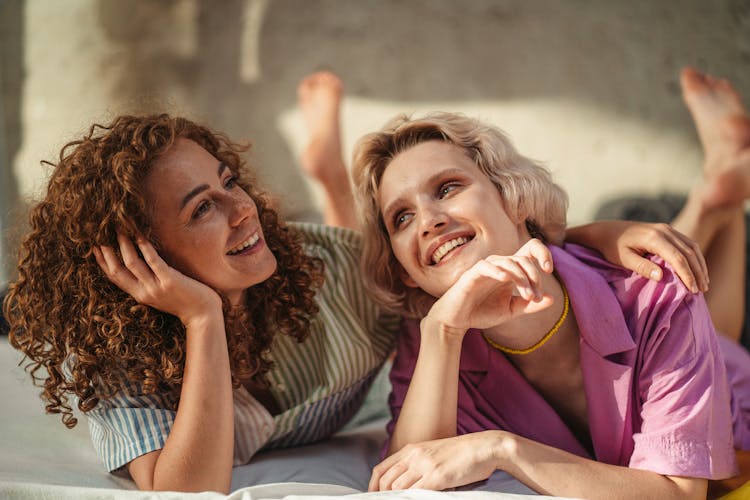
x=597 y=310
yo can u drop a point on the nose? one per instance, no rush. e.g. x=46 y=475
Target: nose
x=432 y=219
x=240 y=208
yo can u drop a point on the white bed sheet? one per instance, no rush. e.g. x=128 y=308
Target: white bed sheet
x=42 y=459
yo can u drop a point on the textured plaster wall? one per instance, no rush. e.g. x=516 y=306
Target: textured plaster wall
x=589 y=87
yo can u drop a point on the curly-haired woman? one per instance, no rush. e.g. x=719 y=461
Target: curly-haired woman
x=160 y=290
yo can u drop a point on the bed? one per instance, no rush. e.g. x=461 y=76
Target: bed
x=42 y=459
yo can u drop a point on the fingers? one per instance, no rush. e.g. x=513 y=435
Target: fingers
x=130 y=272
x=152 y=257
x=539 y=251
x=522 y=271
x=384 y=473
x=696 y=261
x=679 y=251
x=398 y=476
x=133 y=261
x=110 y=263
x=507 y=270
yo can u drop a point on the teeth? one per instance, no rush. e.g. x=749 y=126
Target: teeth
x=447 y=247
x=252 y=240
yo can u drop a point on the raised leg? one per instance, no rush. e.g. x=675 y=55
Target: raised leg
x=319 y=98
x=713 y=215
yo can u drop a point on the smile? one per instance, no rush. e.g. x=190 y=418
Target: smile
x=446 y=247
x=252 y=240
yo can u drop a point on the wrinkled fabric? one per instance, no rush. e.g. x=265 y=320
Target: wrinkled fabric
x=653 y=374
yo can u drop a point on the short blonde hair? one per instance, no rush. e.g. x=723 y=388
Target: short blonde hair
x=526 y=187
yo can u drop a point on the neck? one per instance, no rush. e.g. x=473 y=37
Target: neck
x=236 y=299
x=547 y=327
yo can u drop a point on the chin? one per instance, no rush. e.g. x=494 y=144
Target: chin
x=265 y=273
x=271 y=272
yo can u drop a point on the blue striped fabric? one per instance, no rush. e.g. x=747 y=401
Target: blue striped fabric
x=319 y=384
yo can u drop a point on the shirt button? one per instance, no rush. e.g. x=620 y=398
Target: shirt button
x=281 y=387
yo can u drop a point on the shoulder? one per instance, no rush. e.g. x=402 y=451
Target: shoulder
x=338 y=248
x=319 y=237
x=649 y=309
x=632 y=290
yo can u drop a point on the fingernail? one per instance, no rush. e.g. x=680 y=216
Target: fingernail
x=655 y=275
x=694 y=289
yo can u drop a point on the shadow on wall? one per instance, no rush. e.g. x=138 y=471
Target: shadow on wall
x=11 y=81
x=610 y=54
x=235 y=64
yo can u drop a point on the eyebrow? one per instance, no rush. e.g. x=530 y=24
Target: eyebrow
x=199 y=189
x=388 y=211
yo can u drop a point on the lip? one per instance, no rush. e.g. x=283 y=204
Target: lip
x=251 y=234
x=427 y=257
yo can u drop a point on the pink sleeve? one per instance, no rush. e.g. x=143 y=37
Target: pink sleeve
x=683 y=396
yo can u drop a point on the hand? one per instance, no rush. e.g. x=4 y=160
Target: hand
x=626 y=243
x=494 y=290
x=438 y=464
x=150 y=281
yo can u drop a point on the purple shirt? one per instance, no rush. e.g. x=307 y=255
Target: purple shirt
x=653 y=373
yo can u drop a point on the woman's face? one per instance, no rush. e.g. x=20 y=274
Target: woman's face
x=207 y=225
x=443 y=215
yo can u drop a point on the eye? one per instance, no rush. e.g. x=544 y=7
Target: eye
x=446 y=188
x=230 y=182
x=400 y=219
x=202 y=209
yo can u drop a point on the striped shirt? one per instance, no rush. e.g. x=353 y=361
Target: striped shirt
x=319 y=384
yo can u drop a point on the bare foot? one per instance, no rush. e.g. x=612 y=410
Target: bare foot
x=717 y=110
x=319 y=98
x=724 y=130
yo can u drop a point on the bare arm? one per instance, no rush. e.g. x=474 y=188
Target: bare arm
x=549 y=470
x=465 y=459
x=625 y=243
x=338 y=204
x=428 y=413
x=198 y=453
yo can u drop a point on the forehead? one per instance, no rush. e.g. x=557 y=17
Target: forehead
x=184 y=166
x=184 y=157
x=422 y=163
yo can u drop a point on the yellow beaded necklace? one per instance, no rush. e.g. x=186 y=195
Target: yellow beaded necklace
x=547 y=336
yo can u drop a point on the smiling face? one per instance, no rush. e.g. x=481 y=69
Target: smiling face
x=207 y=225
x=443 y=215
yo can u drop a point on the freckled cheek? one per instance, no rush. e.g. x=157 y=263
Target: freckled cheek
x=244 y=201
x=194 y=252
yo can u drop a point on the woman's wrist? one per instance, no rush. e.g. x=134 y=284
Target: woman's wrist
x=205 y=317
x=584 y=234
x=439 y=331
x=504 y=446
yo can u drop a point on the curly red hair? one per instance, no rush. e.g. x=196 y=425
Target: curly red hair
x=85 y=337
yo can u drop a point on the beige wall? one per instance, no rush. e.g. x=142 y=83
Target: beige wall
x=589 y=87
